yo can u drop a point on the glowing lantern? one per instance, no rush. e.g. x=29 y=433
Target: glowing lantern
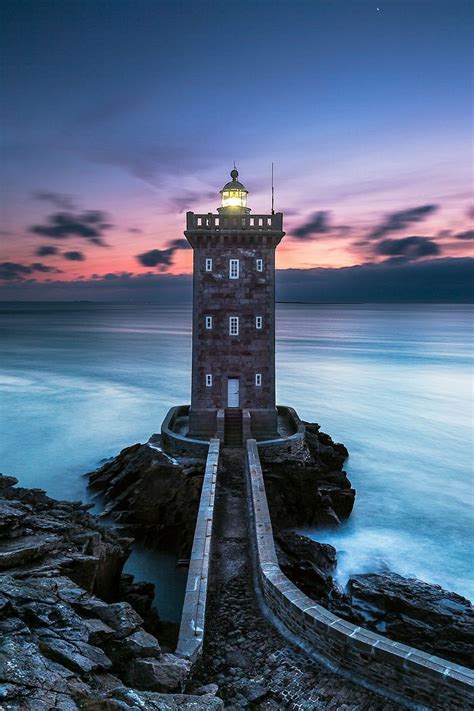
x=234 y=195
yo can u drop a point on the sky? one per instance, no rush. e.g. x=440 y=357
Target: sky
x=120 y=115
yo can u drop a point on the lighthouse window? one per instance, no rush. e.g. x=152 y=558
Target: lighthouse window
x=233 y=325
x=208 y=264
x=208 y=380
x=258 y=321
x=259 y=263
x=208 y=322
x=258 y=379
x=234 y=269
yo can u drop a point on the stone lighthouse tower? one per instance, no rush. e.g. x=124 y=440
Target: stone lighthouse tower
x=233 y=362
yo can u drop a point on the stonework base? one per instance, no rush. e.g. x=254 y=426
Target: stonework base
x=202 y=423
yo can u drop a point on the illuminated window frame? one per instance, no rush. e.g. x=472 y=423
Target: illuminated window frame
x=208 y=323
x=208 y=264
x=259 y=265
x=259 y=322
x=208 y=380
x=258 y=380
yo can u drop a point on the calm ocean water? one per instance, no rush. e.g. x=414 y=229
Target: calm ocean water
x=81 y=381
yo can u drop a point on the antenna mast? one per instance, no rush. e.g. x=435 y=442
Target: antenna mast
x=273 y=194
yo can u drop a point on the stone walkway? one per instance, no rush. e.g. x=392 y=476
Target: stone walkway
x=254 y=667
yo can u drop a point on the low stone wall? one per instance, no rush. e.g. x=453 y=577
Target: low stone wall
x=418 y=679
x=179 y=444
x=293 y=446
x=191 y=631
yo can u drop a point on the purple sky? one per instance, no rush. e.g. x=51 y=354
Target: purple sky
x=120 y=116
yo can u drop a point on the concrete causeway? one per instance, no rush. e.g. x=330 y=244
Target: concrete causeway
x=266 y=644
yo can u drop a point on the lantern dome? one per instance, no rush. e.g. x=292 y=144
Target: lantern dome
x=234 y=195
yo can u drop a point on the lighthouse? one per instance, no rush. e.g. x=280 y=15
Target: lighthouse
x=233 y=347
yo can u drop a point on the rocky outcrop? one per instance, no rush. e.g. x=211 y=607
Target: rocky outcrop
x=313 y=492
x=66 y=639
x=153 y=497
x=309 y=564
x=411 y=611
x=406 y=610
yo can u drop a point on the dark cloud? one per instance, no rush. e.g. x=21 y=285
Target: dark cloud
x=470 y=212
x=64 y=202
x=469 y=234
x=433 y=280
x=408 y=247
x=179 y=244
x=46 y=250
x=397 y=221
x=135 y=230
x=317 y=224
x=74 y=256
x=90 y=225
x=14 y=271
x=161 y=258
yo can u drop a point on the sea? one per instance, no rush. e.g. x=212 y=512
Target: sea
x=81 y=381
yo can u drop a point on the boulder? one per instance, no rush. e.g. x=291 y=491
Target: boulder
x=169 y=673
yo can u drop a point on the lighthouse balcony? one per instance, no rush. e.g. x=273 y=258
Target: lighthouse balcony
x=209 y=221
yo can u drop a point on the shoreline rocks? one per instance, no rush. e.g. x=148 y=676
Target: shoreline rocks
x=67 y=640
x=405 y=610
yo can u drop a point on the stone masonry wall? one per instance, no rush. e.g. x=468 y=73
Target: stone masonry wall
x=191 y=631
x=422 y=680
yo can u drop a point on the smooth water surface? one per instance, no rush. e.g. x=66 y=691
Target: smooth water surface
x=80 y=381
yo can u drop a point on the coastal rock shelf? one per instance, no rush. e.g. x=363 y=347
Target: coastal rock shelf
x=151 y=495
x=66 y=641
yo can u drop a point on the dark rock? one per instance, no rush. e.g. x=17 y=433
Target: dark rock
x=307 y=563
x=169 y=673
x=253 y=691
x=154 y=498
x=62 y=646
x=413 y=612
x=139 y=644
x=211 y=689
x=79 y=657
x=310 y=493
x=121 y=617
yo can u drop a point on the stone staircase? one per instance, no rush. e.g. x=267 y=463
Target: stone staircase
x=233 y=426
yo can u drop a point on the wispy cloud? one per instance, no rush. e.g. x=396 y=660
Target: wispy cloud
x=397 y=221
